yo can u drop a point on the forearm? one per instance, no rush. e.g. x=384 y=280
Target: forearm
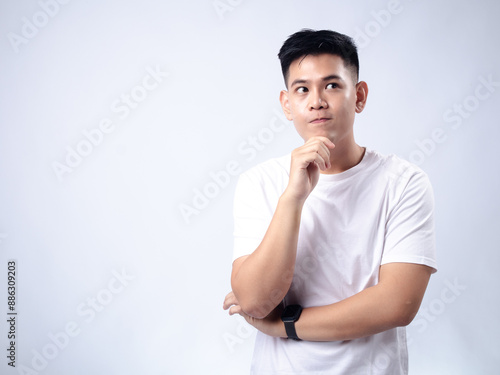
x=262 y=280
x=393 y=302
x=364 y=314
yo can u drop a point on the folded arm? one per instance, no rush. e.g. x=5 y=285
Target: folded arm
x=393 y=302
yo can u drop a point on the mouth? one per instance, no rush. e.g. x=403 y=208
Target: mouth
x=320 y=120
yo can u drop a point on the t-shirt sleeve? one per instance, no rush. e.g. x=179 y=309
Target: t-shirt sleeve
x=252 y=214
x=409 y=232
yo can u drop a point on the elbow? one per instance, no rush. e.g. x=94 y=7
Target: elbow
x=256 y=312
x=252 y=303
x=404 y=320
x=404 y=316
x=254 y=306
x=257 y=309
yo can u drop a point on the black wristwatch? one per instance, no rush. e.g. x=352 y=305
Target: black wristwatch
x=289 y=316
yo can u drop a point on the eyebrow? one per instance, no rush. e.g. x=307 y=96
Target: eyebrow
x=327 y=78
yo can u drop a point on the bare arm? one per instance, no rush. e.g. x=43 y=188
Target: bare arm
x=261 y=280
x=393 y=302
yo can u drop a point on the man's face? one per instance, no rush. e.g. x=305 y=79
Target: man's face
x=322 y=98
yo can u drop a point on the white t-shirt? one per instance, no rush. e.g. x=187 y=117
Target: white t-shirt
x=380 y=211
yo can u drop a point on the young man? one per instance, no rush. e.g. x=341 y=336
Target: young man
x=340 y=233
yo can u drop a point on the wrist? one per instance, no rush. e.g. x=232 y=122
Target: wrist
x=290 y=316
x=281 y=332
x=291 y=200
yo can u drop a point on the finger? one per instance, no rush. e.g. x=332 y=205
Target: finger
x=313 y=160
x=328 y=143
x=318 y=146
x=324 y=140
x=314 y=153
x=324 y=152
x=322 y=161
x=228 y=303
x=235 y=309
x=229 y=300
x=320 y=155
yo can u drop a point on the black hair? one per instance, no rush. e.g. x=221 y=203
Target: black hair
x=311 y=42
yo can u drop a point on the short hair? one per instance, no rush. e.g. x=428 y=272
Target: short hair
x=311 y=42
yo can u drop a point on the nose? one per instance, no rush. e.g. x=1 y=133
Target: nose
x=317 y=101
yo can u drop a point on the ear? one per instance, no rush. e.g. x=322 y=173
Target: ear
x=361 y=96
x=285 y=104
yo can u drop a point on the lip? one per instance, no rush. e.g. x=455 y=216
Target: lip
x=320 y=120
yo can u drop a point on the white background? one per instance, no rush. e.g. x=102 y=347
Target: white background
x=119 y=209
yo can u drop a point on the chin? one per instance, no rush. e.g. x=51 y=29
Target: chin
x=331 y=136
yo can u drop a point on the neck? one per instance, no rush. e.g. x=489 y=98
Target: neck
x=344 y=157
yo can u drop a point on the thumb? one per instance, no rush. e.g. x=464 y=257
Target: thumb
x=235 y=309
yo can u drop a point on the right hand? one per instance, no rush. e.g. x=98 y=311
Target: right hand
x=307 y=161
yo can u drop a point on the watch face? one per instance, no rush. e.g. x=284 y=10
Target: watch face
x=291 y=313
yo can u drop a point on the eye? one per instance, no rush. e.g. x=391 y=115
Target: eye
x=332 y=85
x=301 y=89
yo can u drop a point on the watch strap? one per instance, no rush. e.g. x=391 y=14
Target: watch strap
x=290 y=331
